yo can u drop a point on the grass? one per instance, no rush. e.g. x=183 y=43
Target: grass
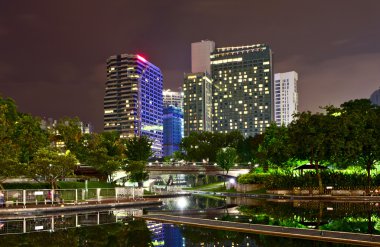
x=214 y=187
x=81 y=185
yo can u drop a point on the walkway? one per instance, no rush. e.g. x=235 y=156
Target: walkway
x=310 y=234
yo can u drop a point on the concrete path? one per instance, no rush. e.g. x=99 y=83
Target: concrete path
x=310 y=234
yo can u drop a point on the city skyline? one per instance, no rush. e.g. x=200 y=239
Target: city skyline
x=53 y=55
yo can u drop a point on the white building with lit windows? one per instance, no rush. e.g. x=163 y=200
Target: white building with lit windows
x=285 y=97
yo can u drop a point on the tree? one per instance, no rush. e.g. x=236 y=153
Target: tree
x=50 y=165
x=105 y=152
x=137 y=150
x=314 y=137
x=29 y=137
x=69 y=131
x=226 y=158
x=204 y=145
x=275 y=146
x=361 y=122
x=9 y=150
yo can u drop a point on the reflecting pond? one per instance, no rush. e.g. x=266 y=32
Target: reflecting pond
x=122 y=228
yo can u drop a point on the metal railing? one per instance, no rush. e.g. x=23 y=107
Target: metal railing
x=19 y=197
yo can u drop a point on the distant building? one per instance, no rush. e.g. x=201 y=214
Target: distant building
x=172 y=98
x=200 y=56
x=375 y=97
x=285 y=97
x=242 y=89
x=173 y=129
x=197 y=106
x=133 y=99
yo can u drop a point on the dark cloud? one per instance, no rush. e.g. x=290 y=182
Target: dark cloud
x=53 y=53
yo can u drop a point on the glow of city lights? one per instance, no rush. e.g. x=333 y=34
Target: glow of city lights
x=182 y=203
x=141 y=58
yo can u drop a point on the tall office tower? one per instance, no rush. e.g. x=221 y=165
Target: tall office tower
x=133 y=99
x=197 y=102
x=200 y=56
x=375 y=97
x=285 y=97
x=173 y=129
x=242 y=92
x=173 y=121
x=173 y=98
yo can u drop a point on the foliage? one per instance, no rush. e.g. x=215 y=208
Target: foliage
x=361 y=122
x=253 y=178
x=275 y=148
x=205 y=145
x=226 y=158
x=26 y=186
x=29 y=137
x=138 y=148
x=105 y=152
x=137 y=170
x=50 y=165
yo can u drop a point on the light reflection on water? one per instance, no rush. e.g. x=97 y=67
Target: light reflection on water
x=83 y=229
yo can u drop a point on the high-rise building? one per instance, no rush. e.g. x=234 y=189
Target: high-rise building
x=173 y=98
x=133 y=99
x=285 y=97
x=242 y=89
x=375 y=97
x=173 y=129
x=200 y=56
x=173 y=121
x=197 y=103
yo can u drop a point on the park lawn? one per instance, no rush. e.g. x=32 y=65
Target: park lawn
x=81 y=185
x=214 y=187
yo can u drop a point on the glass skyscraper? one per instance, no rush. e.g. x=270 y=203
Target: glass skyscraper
x=133 y=99
x=173 y=129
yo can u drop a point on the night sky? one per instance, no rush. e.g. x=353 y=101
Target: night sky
x=53 y=53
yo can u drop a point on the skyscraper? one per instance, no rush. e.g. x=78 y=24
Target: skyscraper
x=173 y=129
x=133 y=99
x=173 y=121
x=197 y=103
x=242 y=89
x=285 y=97
x=200 y=56
x=173 y=98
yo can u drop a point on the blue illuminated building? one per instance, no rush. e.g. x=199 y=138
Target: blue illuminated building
x=173 y=129
x=133 y=99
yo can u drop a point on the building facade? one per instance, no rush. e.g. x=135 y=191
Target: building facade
x=133 y=99
x=200 y=56
x=172 y=98
x=197 y=103
x=173 y=129
x=242 y=89
x=285 y=97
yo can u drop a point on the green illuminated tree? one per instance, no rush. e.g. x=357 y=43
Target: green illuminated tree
x=51 y=165
x=226 y=158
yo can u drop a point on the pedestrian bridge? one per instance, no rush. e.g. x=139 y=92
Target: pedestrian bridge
x=157 y=169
